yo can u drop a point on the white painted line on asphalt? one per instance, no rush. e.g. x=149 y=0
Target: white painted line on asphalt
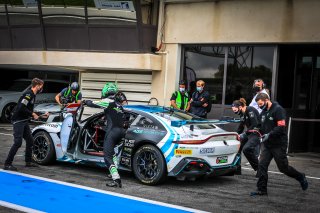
x=5 y=134
x=107 y=192
x=17 y=207
x=274 y=172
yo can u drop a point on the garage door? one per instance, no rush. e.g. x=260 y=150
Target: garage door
x=136 y=86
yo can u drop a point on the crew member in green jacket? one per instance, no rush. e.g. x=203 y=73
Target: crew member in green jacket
x=180 y=99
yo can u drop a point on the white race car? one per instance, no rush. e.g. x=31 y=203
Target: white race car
x=160 y=142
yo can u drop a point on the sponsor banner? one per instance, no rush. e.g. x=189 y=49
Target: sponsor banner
x=114 y=5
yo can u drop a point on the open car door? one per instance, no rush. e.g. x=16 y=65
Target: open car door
x=70 y=128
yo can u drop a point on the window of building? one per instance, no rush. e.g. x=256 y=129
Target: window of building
x=105 y=12
x=63 y=11
x=244 y=65
x=21 y=13
x=3 y=16
x=205 y=63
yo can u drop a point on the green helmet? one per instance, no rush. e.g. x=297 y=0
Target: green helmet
x=109 y=89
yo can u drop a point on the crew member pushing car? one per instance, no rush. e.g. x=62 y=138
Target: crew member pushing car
x=249 y=119
x=274 y=144
x=21 y=129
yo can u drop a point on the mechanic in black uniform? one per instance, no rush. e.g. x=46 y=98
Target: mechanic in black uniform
x=274 y=144
x=21 y=129
x=115 y=131
x=250 y=139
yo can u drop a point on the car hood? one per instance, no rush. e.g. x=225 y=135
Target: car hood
x=5 y=93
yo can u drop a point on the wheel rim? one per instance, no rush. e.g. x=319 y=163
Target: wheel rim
x=41 y=148
x=8 y=112
x=147 y=165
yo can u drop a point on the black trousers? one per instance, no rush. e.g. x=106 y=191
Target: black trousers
x=21 y=130
x=250 y=148
x=279 y=153
x=111 y=139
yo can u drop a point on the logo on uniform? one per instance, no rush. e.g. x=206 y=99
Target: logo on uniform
x=251 y=114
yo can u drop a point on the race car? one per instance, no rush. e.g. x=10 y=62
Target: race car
x=159 y=142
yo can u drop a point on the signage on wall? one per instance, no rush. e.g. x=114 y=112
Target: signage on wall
x=114 y=5
x=30 y=3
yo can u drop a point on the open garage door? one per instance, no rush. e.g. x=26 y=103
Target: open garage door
x=135 y=85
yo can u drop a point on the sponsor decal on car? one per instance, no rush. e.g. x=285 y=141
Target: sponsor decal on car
x=125 y=161
x=129 y=143
x=150 y=126
x=207 y=150
x=127 y=149
x=222 y=159
x=52 y=125
x=150 y=132
x=183 y=152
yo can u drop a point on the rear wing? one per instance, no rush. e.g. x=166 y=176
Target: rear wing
x=214 y=121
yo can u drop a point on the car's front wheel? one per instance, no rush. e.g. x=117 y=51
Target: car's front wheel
x=149 y=165
x=43 y=148
x=7 y=112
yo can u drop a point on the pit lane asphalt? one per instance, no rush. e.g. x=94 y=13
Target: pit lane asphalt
x=219 y=194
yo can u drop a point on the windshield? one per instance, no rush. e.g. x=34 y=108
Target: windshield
x=18 y=86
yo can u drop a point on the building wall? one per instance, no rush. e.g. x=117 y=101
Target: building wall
x=83 y=60
x=132 y=71
x=231 y=22
x=240 y=21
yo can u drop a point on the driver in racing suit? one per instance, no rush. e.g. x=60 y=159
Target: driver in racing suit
x=115 y=130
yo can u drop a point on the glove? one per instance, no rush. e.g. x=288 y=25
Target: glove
x=264 y=138
x=243 y=137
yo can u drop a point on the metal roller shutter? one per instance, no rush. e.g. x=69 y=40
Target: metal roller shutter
x=136 y=86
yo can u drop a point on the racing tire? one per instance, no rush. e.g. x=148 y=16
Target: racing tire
x=149 y=165
x=7 y=112
x=43 y=151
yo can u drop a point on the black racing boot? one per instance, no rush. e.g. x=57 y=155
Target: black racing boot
x=10 y=167
x=31 y=164
x=114 y=183
x=259 y=193
x=303 y=182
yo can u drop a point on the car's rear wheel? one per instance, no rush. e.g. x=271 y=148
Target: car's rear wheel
x=7 y=112
x=43 y=148
x=149 y=165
